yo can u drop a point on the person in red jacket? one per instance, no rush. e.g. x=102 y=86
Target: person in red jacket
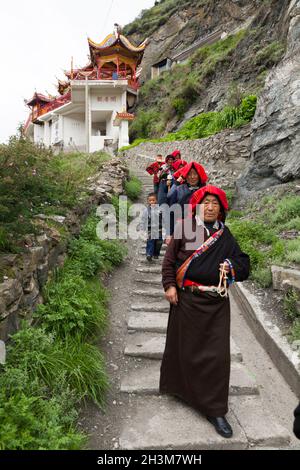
x=153 y=169
x=176 y=154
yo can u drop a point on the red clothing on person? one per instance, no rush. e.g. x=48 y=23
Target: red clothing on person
x=187 y=168
x=176 y=154
x=199 y=195
x=178 y=163
x=153 y=170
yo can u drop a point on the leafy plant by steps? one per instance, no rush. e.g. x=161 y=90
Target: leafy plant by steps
x=54 y=365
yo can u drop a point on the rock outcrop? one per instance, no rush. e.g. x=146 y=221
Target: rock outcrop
x=275 y=153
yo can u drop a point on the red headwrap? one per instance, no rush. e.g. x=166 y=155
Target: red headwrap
x=178 y=163
x=187 y=168
x=176 y=154
x=200 y=194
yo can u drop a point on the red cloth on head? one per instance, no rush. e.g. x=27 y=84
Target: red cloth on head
x=179 y=163
x=187 y=168
x=200 y=194
x=153 y=169
x=176 y=154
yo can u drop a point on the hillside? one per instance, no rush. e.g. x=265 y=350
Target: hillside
x=213 y=76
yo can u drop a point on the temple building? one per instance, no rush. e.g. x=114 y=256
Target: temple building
x=92 y=110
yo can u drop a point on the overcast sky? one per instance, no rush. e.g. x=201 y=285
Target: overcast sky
x=38 y=39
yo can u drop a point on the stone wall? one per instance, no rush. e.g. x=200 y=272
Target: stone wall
x=22 y=276
x=224 y=155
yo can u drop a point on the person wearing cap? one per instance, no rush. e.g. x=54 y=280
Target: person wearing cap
x=201 y=261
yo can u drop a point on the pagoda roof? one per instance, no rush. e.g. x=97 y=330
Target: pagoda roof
x=113 y=40
x=86 y=68
x=38 y=98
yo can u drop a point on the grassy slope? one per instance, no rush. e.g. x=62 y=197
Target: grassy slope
x=268 y=230
x=34 y=181
x=236 y=65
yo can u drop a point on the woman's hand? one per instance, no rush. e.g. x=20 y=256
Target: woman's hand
x=171 y=295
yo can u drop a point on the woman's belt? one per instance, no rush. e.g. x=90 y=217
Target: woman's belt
x=197 y=288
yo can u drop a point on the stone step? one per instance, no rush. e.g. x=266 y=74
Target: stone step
x=146 y=380
x=142 y=252
x=151 y=307
x=163 y=422
x=154 y=262
x=153 y=280
x=154 y=293
x=166 y=423
x=152 y=346
x=258 y=422
x=149 y=269
x=154 y=322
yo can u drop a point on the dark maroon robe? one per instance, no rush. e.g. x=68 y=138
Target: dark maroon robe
x=196 y=361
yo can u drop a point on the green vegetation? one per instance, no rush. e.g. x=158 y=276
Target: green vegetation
x=133 y=188
x=260 y=235
x=207 y=124
x=260 y=231
x=34 y=181
x=171 y=94
x=151 y=19
x=270 y=54
x=291 y=308
x=52 y=366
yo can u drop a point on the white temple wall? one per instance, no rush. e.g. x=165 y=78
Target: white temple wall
x=56 y=130
x=38 y=134
x=74 y=131
x=106 y=100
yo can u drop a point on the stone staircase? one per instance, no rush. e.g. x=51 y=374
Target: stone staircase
x=163 y=422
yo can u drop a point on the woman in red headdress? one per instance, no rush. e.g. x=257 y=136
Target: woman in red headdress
x=192 y=177
x=201 y=261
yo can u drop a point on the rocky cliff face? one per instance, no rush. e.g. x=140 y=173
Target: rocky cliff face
x=275 y=155
x=188 y=22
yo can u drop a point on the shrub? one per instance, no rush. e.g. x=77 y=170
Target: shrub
x=263 y=276
x=34 y=423
x=270 y=54
x=290 y=304
x=143 y=124
x=73 y=306
x=33 y=180
x=43 y=357
x=133 y=188
x=287 y=208
x=180 y=105
x=293 y=251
